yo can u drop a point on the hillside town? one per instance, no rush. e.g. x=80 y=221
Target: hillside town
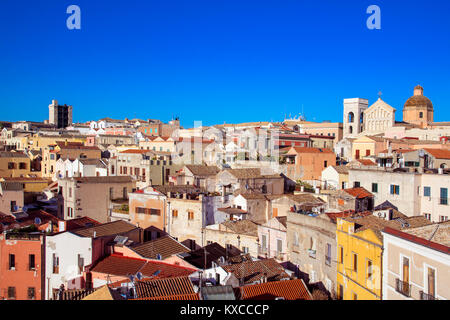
x=146 y=209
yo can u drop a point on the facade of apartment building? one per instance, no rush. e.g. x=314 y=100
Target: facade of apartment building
x=413 y=193
x=307 y=164
x=14 y=164
x=11 y=197
x=312 y=247
x=22 y=275
x=93 y=197
x=147 y=208
x=416 y=263
x=242 y=235
x=272 y=237
x=66 y=255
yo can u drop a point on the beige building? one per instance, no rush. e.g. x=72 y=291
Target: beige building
x=378 y=117
x=416 y=263
x=241 y=234
x=11 y=197
x=312 y=248
x=93 y=197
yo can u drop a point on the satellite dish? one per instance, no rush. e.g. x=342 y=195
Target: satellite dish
x=139 y=275
x=158 y=256
x=131 y=277
x=37 y=220
x=156 y=273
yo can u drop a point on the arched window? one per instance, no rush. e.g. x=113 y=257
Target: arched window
x=350 y=129
x=351 y=117
x=442 y=166
x=361 y=119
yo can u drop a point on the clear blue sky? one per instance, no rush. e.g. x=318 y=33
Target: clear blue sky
x=216 y=60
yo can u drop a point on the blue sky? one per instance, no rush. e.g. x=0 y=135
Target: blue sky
x=220 y=61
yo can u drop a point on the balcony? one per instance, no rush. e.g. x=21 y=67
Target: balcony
x=426 y=296
x=403 y=287
x=327 y=260
x=262 y=251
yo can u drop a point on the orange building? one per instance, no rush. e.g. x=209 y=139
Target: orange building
x=22 y=268
x=148 y=208
x=307 y=164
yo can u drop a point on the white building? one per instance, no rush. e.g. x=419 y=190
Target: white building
x=414 y=193
x=66 y=254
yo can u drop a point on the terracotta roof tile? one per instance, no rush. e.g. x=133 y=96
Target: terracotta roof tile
x=251 y=271
x=438 y=153
x=106 y=229
x=288 y=289
x=359 y=192
x=165 y=246
x=166 y=289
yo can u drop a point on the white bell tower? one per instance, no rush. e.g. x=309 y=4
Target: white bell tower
x=354 y=116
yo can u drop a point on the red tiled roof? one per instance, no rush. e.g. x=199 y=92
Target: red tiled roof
x=438 y=153
x=123 y=266
x=80 y=223
x=135 y=151
x=366 y=162
x=165 y=289
x=181 y=297
x=311 y=150
x=251 y=271
x=288 y=289
x=359 y=192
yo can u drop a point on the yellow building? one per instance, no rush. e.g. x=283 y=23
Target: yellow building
x=30 y=184
x=367 y=146
x=359 y=252
x=14 y=164
x=41 y=141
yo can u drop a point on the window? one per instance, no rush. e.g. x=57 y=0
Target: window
x=374 y=187
x=354 y=296
x=426 y=191
x=190 y=215
x=427 y=216
x=55 y=264
x=70 y=192
x=245 y=250
x=395 y=189
x=369 y=269
x=125 y=191
x=296 y=242
x=31 y=292
x=264 y=241
x=13 y=206
x=431 y=281
x=356 y=184
x=69 y=212
x=341 y=254
x=12 y=261
x=355 y=262
x=149 y=211
x=80 y=264
x=11 y=292
x=279 y=246
x=31 y=262
x=11 y=165
x=367 y=152
x=175 y=213
x=420 y=115
x=328 y=254
x=443 y=218
x=340 y=292
x=444 y=196
x=23 y=166
x=325 y=164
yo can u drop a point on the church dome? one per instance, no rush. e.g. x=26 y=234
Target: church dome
x=419 y=100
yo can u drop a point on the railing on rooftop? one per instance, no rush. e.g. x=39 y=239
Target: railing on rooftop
x=22 y=236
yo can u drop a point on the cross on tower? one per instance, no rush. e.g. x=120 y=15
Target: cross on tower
x=380 y=94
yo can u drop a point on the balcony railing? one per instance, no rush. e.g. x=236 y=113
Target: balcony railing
x=328 y=260
x=426 y=296
x=403 y=287
x=312 y=253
